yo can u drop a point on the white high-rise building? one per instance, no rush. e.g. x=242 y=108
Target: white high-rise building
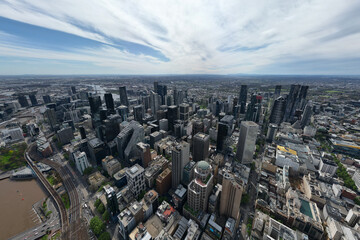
x=247 y=141
x=81 y=161
x=136 y=179
x=200 y=187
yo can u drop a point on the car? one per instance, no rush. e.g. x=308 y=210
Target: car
x=36 y=233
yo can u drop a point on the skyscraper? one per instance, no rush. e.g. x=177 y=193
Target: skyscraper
x=201 y=143
x=306 y=117
x=200 y=187
x=46 y=99
x=290 y=102
x=127 y=139
x=180 y=157
x=243 y=98
x=139 y=113
x=278 y=110
x=95 y=104
x=246 y=143
x=73 y=89
x=221 y=136
x=112 y=202
x=184 y=111
x=109 y=101
x=154 y=102
x=172 y=115
x=23 y=101
x=33 y=100
x=123 y=96
x=50 y=114
x=230 y=199
x=277 y=91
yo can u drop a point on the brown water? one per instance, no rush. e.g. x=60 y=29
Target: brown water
x=16 y=200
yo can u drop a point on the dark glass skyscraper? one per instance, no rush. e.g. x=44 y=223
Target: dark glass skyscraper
x=243 y=98
x=278 y=110
x=109 y=101
x=33 y=100
x=123 y=96
x=23 y=101
x=221 y=136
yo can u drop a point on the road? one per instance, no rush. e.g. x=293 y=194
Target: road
x=76 y=227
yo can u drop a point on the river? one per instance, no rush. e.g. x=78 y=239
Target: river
x=16 y=200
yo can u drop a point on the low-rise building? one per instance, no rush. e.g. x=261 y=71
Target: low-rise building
x=111 y=165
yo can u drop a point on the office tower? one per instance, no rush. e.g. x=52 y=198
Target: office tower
x=278 y=111
x=123 y=96
x=306 y=117
x=111 y=125
x=155 y=102
x=201 y=143
x=111 y=200
x=302 y=98
x=180 y=157
x=102 y=114
x=81 y=161
x=156 y=86
x=139 y=113
x=188 y=173
x=111 y=165
x=246 y=143
x=73 y=89
x=230 y=199
x=172 y=115
x=50 y=115
x=243 y=98
x=277 y=91
x=84 y=95
x=218 y=107
x=254 y=108
x=200 y=187
x=123 y=111
x=136 y=179
x=65 y=135
x=155 y=137
x=145 y=100
x=46 y=99
x=33 y=100
x=82 y=132
x=271 y=133
x=163 y=182
x=127 y=139
x=198 y=126
x=109 y=101
x=290 y=103
x=221 y=136
x=97 y=150
x=23 y=101
x=229 y=121
x=162 y=91
x=144 y=153
x=95 y=104
x=184 y=111
x=164 y=124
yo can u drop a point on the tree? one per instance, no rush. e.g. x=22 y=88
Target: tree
x=245 y=198
x=97 y=203
x=101 y=208
x=97 y=226
x=106 y=216
x=105 y=236
x=88 y=171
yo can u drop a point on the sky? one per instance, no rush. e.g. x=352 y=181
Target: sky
x=180 y=37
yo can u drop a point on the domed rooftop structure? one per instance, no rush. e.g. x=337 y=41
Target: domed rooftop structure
x=203 y=165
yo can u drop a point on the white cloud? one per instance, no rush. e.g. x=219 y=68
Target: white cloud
x=194 y=34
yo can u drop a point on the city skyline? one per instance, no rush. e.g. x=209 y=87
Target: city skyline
x=227 y=37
